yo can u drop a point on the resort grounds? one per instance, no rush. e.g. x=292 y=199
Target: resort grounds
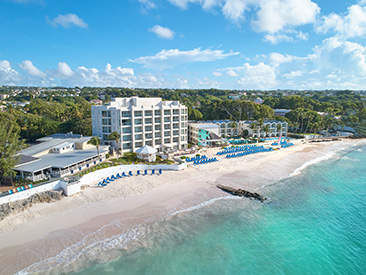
x=45 y=234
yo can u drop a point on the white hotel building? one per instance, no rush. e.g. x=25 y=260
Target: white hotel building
x=142 y=121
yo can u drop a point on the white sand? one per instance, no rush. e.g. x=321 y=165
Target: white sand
x=141 y=197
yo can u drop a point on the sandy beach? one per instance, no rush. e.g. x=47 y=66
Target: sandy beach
x=40 y=237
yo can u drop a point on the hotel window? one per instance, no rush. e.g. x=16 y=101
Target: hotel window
x=126 y=122
x=176 y=126
x=157 y=120
x=176 y=112
x=106 y=129
x=166 y=112
x=148 y=128
x=149 y=142
x=183 y=138
x=106 y=121
x=138 y=137
x=106 y=113
x=126 y=114
x=149 y=135
x=157 y=127
x=175 y=132
x=148 y=113
x=167 y=134
x=148 y=120
x=138 y=113
x=176 y=118
x=127 y=145
x=166 y=126
x=157 y=134
x=138 y=144
x=166 y=140
x=182 y=125
x=138 y=121
x=166 y=119
x=175 y=139
x=157 y=112
x=126 y=130
x=127 y=138
x=138 y=129
x=158 y=142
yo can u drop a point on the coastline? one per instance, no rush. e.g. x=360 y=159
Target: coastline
x=138 y=200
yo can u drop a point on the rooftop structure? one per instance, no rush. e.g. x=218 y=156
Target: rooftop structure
x=58 y=155
x=142 y=121
x=281 y=112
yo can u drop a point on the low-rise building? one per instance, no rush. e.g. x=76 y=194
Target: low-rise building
x=204 y=134
x=273 y=126
x=58 y=155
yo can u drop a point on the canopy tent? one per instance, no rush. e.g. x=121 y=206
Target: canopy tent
x=147 y=153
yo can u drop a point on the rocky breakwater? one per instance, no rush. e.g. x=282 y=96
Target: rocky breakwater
x=241 y=193
x=7 y=209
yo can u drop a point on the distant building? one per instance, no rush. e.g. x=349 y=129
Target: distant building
x=142 y=121
x=245 y=125
x=281 y=112
x=4 y=96
x=204 y=134
x=58 y=155
x=258 y=100
x=96 y=102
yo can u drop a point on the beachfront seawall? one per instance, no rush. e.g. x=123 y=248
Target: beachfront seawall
x=74 y=188
x=53 y=185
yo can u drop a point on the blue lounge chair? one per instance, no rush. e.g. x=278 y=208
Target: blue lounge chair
x=138 y=172
x=130 y=173
x=119 y=176
x=10 y=191
x=123 y=174
x=160 y=171
x=145 y=172
x=153 y=172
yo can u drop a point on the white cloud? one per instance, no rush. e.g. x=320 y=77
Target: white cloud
x=217 y=74
x=280 y=58
x=31 y=69
x=149 y=4
x=64 y=69
x=173 y=57
x=353 y=24
x=277 y=15
x=232 y=73
x=162 y=32
x=285 y=37
x=8 y=76
x=67 y=21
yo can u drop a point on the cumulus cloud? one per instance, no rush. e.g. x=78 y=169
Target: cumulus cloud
x=8 y=76
x=217 y=74
x=148 y=4
x=271 y=16
x=67 y=21
x=64 y=70
x=173 y=57
x=352 y=24
x=31 y=69
x=289 y=36
x=162 y=32
x=232 y=73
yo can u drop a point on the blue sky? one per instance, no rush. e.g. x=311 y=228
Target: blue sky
x=226 y=44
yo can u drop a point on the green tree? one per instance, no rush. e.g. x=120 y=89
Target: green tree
x=279 y=128
x=115 y=137
x=10 y=144
x=96 y=142
x=253 y=126
x=266 y=130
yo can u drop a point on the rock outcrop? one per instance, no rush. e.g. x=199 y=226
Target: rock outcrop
x=7 y=209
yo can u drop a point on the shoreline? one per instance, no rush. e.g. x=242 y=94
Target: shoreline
x=139 y=200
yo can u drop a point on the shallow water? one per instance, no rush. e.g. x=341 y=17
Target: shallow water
x=315 y=223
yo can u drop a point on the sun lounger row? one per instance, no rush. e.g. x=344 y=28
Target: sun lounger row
x=248 y=152
x=19 y=189
x=196 y=158
x=238 y=149
x=287 y=144
x=205 y=161
x=130 y=174
x=276 y=143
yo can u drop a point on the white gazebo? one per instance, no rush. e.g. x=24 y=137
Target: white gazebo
x=146 y=153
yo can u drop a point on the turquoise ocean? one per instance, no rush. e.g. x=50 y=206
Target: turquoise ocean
x=314 y=224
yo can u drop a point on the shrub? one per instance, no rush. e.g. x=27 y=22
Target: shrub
x=107 y=156
x=182 y=157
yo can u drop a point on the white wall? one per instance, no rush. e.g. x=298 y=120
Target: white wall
x=29 y=192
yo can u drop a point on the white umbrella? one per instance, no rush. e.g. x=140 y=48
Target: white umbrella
x=146 y=150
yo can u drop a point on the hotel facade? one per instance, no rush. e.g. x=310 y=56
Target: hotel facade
x=160 y=124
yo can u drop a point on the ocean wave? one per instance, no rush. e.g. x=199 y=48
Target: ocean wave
x=203 y=204
x=86 y=249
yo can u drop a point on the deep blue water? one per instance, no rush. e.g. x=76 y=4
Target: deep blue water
x=315 y=224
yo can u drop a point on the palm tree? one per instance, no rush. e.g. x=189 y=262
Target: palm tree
x=266 y=129
x=96 y=142
x=260 y=125
x=279 y=128
x=115 y=136
x=253 y=126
